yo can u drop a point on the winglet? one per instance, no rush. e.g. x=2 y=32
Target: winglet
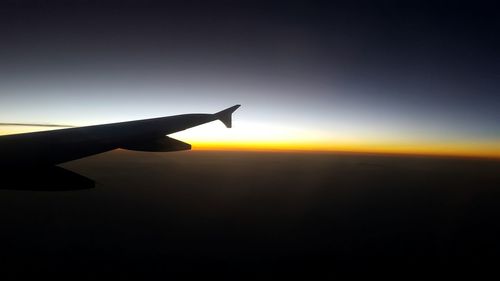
x=225 y=115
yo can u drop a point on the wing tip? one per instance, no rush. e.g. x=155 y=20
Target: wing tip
x=225 y=116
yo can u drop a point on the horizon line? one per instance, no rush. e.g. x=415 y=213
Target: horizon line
x=367 y=152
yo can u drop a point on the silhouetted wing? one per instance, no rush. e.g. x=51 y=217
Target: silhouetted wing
x=50 y=178
x=59 y=146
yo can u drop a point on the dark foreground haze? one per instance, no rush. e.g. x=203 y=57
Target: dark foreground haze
x=256 y=215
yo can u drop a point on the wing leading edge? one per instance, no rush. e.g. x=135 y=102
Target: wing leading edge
x=48 y=148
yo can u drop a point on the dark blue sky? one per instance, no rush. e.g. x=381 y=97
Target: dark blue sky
x=317 y=71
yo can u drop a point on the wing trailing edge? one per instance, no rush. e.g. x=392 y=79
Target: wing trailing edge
x=225 y=116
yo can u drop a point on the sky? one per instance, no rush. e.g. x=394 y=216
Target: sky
x=376 y=76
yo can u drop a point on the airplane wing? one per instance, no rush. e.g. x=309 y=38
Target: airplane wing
x=43 y=149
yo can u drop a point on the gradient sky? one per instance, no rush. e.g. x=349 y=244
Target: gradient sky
x=310 y=75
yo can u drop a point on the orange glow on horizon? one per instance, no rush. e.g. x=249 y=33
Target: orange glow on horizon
x=429 y=150
x=245 y=138
x=268 y=137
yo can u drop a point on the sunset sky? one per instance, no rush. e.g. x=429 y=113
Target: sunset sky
x=310 y=75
